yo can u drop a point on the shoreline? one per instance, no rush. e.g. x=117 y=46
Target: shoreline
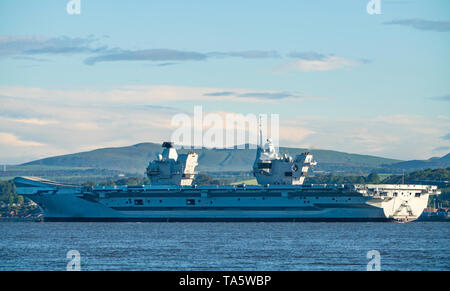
x=19 y=219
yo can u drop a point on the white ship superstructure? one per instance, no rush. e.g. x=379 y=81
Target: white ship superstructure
x=282 y=196
x=170 y=168
x=272 y=168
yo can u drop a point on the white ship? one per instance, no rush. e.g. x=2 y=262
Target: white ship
x=281 y=195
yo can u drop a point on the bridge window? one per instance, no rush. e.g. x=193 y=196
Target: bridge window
x=138 y=202
x=264 y=165
x=190 y=201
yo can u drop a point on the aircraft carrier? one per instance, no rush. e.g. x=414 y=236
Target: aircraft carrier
x=280 y=196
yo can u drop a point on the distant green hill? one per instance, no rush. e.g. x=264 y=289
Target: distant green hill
x=134 y=159
x=131 y=159
x=416 y=165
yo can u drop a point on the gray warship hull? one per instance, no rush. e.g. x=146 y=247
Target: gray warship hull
x=271 y=203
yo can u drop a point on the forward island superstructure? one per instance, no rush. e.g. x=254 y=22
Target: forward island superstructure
x=280 y=196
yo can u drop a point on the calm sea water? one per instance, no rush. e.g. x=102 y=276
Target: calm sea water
x=224 y=246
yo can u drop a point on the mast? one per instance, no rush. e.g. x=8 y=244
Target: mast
x=260 y=133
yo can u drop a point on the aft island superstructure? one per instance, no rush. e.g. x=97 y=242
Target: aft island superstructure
x=281 y=195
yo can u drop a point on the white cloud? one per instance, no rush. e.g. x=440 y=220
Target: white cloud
x=138 y=95
x=10 y=140
x=33 y=121
x=327 y=63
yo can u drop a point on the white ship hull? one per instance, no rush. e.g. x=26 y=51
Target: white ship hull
x=227 y=203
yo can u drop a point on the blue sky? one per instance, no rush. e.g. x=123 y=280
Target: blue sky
x=115 y=74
